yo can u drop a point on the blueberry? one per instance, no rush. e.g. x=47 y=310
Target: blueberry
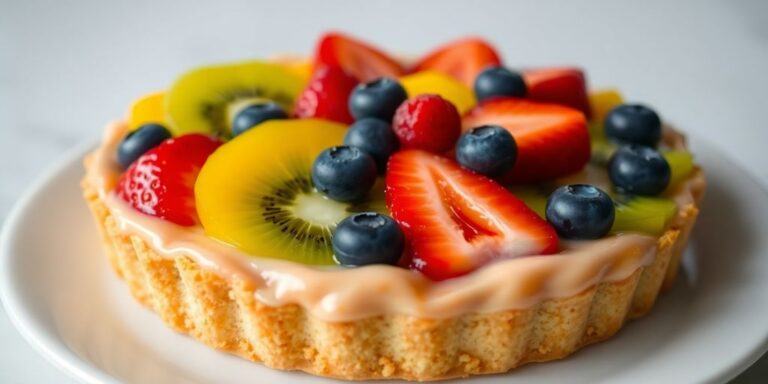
x=367 y=238
x=255 y=114
x=633 y=124
x=344 y=173
x=378 y=98
x=580 y=211
x=499 y=81
x=140 y=141
x=375 y=137
x=488 y=150
x=639 y=170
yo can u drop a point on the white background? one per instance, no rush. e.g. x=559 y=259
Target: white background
x=67 y=68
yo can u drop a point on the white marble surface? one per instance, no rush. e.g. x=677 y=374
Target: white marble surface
x=67 y=68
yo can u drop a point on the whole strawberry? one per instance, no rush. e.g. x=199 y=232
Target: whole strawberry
x=161 y=182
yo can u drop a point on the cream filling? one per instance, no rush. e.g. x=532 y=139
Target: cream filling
x=340 y=294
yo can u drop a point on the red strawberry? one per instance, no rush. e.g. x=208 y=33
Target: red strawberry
x=326 y=95
x=357 y=58
x=565 y=86
x=463 y=59
x=161 y=182
x=552 y=141
x=427 y=122
x=456 y=220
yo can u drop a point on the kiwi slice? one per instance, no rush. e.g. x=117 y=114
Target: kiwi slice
x=680 y=162
x=648 y=215
x=643 y=214
x=200 y=100
x=255 y=192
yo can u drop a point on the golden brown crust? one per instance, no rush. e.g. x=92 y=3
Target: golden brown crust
x=225 y=314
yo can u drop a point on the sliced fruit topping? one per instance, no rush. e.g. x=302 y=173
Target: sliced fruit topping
x=377 y=98
x=139 y=141
x=602 y=150
x=602 y=101
x=643 y=214
x=256 y=113
x=462 y=59
x=359 y=59
x=565 y=86
x=580 y=211
x=326 y=94
x=680 y=165
x=149 y=108
x=499 y=82
x=344 y=173
x=160 y=183
x=633 y=124
x=432 y=82
x=639 y=170
x=255 y=193
x=368 y=238
x=427 y=122
x=457 y=221
x=375 y=137
x=199 y=100
x=489 y=150
x=299 y=65
x=552 y=141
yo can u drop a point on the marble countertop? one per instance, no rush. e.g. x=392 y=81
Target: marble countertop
x=66 y=70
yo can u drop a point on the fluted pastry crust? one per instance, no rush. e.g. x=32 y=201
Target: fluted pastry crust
x=223 y=312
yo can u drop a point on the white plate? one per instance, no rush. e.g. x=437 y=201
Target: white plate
x=61 y=295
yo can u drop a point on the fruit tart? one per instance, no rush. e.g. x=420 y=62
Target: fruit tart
x=358 y=216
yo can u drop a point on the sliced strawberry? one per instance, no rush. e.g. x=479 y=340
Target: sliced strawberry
x=161 y=182
x=552 y=141
x=456 y=220
x=326 y=95
x=565 y=86
x=463 y=59
x=361 y=60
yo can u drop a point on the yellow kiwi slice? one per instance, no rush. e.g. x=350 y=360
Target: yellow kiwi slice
x=199 y=101
x=433 y=82
x=150 y=108
x=255 y=192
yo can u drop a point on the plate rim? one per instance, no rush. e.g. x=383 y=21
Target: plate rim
x=55 y=351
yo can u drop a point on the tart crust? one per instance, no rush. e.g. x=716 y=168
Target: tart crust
x=225 y=314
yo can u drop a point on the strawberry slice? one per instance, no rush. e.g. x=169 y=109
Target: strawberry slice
x=456 y=220
x=462 y=59
x=361 y=60
x=326 y=95
x=552 y=140
x=565 y=86
x=161 y=182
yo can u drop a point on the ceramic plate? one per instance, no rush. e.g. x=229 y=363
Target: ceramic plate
x=62 y=296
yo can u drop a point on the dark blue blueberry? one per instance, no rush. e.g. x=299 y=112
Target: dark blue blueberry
x=255 y=114
x=499 y=81
x=375 y=137
x=580 y=211
x=378 y=98
x=489 y=150
x=639 y=170
x=140 y=141
x=633 y=124
x=344 y=173
x=367 y=238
